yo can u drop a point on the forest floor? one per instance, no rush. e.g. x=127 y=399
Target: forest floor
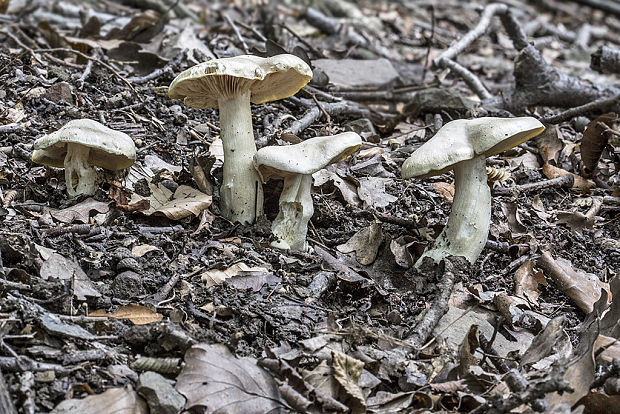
x=144 y=295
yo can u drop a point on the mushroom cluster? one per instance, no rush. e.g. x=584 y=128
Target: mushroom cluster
x=463 y=146
x=296 y=164
x=230 y=84
x=78 y=147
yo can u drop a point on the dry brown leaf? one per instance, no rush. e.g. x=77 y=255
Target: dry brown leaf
x=114 y=400
x=185 y=202
x=611 y=348
x=365 y=243
x=217 y=277
x=80 y=212
x=215 y=378
x=594 y=141
x=347 y=371
x=527 y=281
x=577 y=221
x=445 y=190
x=137 y=314
x=372 y=192
x=583 y=288
x=580 y=183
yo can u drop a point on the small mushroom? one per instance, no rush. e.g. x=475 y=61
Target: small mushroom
x=78 y=147
x=296 y=164
x=230 y=84
x=463 y=146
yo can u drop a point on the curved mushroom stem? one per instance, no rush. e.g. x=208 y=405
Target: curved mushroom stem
x=467 y=229
x=296 y=209
x=241 y=191
x=76 y=163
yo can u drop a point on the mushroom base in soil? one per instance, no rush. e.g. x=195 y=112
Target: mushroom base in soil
x=296 y=164
x=76 y=166
x=463 y=146
x=80 y=146
x=291 y=225
x=241 y=192
x=467 y=229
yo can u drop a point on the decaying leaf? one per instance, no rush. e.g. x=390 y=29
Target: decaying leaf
x=372 y=192
x=142 y=249
x=365 y=243
x=113 y=400
x=594 y=141
x=527 y=281
x=61 y=268
x=137 y=314
x=185 y=202
x=583 y=288
x=80 y=212
x=445 y=190
x=577 y=221
x=346 y=188
x=551 y=344
x=347 y=371
x=238 y=270
x=215 y=378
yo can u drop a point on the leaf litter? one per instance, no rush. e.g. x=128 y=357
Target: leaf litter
x=147 y=273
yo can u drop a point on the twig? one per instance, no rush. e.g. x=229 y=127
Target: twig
x=232 y=24
x=562 y=181
x=253 y=30
x=438 y=308
x=332 y=108
x=95 y=59
x=430 y=43
x=159 y=72
x=601 y=104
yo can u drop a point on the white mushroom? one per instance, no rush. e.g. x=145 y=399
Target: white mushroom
x=296 y=164
x=231 y=84
x=80 y=145
x=463 y=146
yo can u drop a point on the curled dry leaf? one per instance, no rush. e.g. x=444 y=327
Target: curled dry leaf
x=137 y=314
x=215 y=378
x=527 y=281
x=594 y=141
x=114 y=400
x=580 y=183
x=583 y=288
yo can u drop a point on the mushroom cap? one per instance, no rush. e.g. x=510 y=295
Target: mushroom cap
x=463 y=139
x=268 y=79
x=307 y=157
x=109 y=149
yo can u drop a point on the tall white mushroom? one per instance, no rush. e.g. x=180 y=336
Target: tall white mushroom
x=78 y=147
x=464 y=145
x=230 y=84
x=296 y=164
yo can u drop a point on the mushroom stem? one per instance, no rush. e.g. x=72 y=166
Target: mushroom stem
x=241 y=191
x=76 y=163
x=296 y=209
x=467 y=229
